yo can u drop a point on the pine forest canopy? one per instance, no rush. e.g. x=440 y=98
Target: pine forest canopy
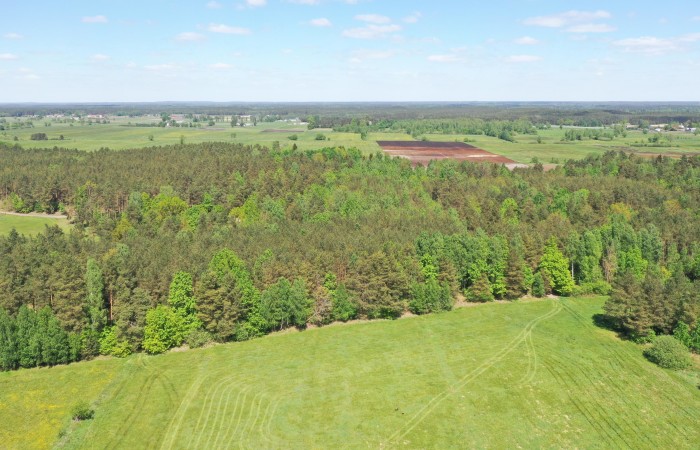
x=189 y=243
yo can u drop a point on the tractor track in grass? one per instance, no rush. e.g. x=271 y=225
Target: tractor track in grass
x=428 y=408
x=152 y=376
x=638 y=367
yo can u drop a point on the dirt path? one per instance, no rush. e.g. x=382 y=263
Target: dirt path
x=45 y=216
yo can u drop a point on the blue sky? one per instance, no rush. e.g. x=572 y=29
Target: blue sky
x=349 y=50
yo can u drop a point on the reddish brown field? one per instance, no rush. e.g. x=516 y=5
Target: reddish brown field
x=422 y=152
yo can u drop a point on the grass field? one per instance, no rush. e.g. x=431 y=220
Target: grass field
x=527 y=374
x=28 y=224
x=116 y=135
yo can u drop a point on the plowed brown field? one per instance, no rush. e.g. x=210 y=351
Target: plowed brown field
x=422 y=152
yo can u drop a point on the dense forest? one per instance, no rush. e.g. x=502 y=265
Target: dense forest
x=215 y=241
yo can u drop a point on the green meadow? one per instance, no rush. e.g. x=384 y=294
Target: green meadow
x=28 y=224
x=118 y=134
x=528 y=374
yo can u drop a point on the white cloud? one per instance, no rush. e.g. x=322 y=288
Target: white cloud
x=321 y=22
x=413 y=18
x=94 y=19
x=591 y=28
x=13 y=36
x=31 y=76
x=449 y=58
x=695 y=19
x=214 y=5
x=371 y=31
x=8 y=56
x=523 y=58
x=190 y=36
x=373 y=18
x=526 y=40
x=566 y=18
x=306 y=2
x=220 y=66
x=256 y=3
x=652 y=45
x=99 y=57
x=226 y=29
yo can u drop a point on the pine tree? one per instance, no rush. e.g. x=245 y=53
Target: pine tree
x=480 y=291
x=94 y=285
x=515 y=278
x=9 y=356
x=538 y=286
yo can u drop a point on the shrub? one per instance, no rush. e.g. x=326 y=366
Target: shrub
x=108 y=341
x=198 y=338
x=39 y=137
x=668 y=353
x=595 y=287
x=293 y=137
x=122 y=349
x=82 y=411
x=320 y=137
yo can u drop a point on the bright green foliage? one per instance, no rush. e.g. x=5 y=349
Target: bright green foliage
x=431 y=296
x=108 y=341
x=82 y=411
x=164 y=330
x=285 y=304
x=669 y=353
x=695 y=337
x=181 y=299
x=111 y=345
x=682 y=334
x=555 y=267
x=94 y=284
x=633 y=262
x=588 y=256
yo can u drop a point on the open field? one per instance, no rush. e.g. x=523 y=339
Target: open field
x=527 y=374
x=422 y=152
x=117 y=135
x=28 y=224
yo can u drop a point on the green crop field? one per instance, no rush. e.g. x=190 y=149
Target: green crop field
x=526 y=374
x=28 y=224
x=119 y=135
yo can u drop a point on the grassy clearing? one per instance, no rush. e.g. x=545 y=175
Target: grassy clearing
x=28 y=224
x=116 y=135
x=528 y=374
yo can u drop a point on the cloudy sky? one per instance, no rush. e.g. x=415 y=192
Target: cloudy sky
x=349 y=50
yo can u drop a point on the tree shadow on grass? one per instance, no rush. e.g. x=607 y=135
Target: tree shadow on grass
x=609 y=323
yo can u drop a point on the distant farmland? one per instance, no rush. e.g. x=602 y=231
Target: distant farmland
x=422 y=152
